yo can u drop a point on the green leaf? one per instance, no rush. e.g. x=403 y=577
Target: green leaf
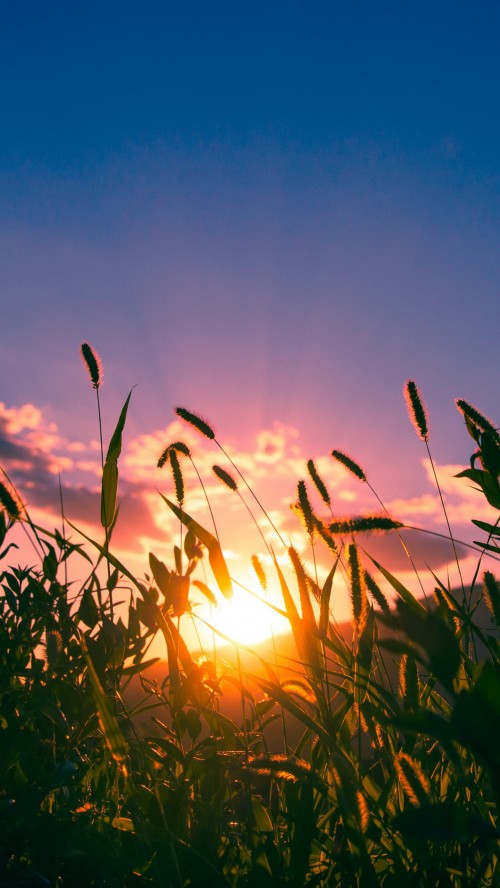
x=215 y=556
x=160 y=572
x=110 y=472
x=107 y=720
x=324 y=615
x=486 y=483
x=492 y=529
x=109 y=490
x=88 y=612
x=115 y=445
x=430 y=632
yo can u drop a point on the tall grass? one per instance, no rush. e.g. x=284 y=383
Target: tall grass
x=372 y=759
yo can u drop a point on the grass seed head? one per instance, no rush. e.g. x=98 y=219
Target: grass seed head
x=177 y=476
x=491 y=593
x=318 y=483
x=416 y=410
x=197 y=422
x=358 y=588
x=477 y=418
x=93 y=364
x=349 y=464
x=364 y=524
x=10 y=502
x=377 y=593
x=305 y=507
x=259 y=571
x=413 y=781
x=225 y=477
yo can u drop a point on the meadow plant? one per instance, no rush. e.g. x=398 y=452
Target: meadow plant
x=371 y=759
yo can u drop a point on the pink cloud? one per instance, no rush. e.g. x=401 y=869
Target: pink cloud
x=33 y=452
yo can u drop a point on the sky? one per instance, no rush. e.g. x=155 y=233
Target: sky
x=272 y=214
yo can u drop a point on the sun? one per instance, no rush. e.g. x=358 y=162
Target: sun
x=246 y=618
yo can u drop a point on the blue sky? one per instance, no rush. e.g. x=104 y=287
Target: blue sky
x=264 y=212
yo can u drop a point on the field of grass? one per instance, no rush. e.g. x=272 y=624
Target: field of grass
x=368 y=756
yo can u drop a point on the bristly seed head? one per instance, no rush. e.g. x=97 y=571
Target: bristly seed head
x=416 y=409
x=364 y=524
x=358 y=589
x=225 y=477
x=305 y=507
x=318 y=483
x=491 y=593
x=177 y=475
x=93 y=364
x=196 y=422
x=178 y=447
x=259 y=571
x=9 y=502
x=477 y=418
x=349 y=464
x=414 y=782
x=377 y=593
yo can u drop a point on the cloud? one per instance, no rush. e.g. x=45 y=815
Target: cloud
x=33 y=453
x=462 y=500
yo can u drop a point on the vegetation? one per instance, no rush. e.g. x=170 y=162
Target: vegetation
x=394 y=778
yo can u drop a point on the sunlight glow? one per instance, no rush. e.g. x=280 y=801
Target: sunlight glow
x=244 y=619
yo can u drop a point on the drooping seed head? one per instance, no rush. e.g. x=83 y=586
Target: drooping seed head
x=93 y=364
x=197 y=422
x=10 y=502
x=177 y=446
x=477 y=418
x=325 y=535
x=318 y=483
x=225 y=477
x=177 y=475
x=349 y=464
x=259 y=571
x=416 y=410
x=377 y=593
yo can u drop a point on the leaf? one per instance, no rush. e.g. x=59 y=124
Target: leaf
x=405 y=593
x=487 y=484
x=179 y=592
x=88 y=612
x=430 y=632
x=324 y=615
x=107 y=720
x=492 y=529
x=110 y=471
x=115 y=445
x=160 y=572
x=215 y=556
x=108 y=492
x=487 y=546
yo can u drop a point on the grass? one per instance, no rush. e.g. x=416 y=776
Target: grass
x=372 y=759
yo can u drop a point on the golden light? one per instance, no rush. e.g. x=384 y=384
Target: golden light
x=245 y=618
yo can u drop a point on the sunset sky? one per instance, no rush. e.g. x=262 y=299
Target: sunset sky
x=272 y=214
